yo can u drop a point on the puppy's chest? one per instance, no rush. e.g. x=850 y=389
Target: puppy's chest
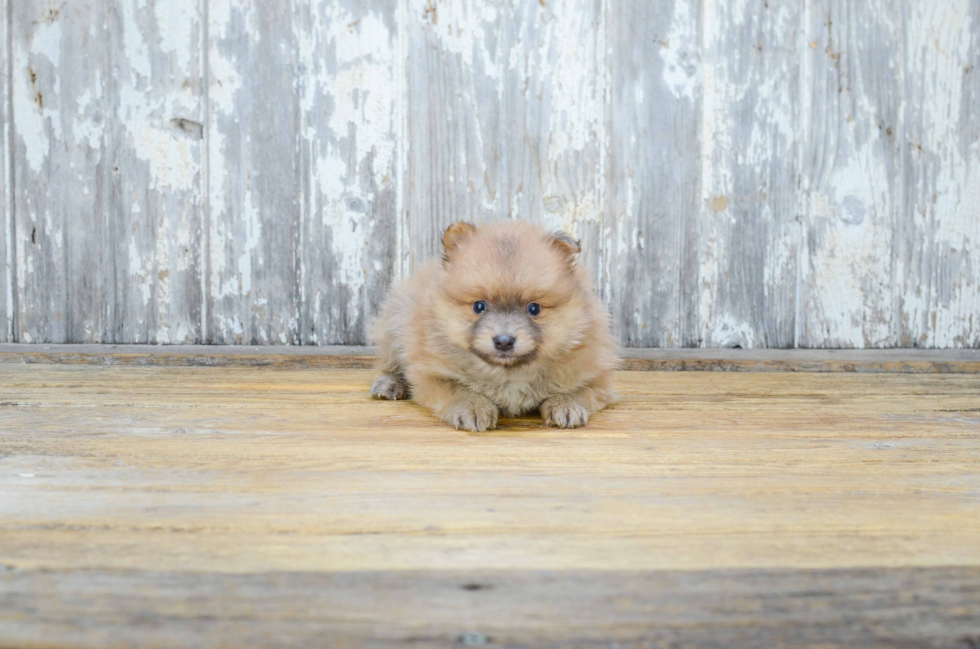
x=513 y=397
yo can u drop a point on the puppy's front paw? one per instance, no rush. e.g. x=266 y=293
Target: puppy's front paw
x=564 y=412
x=472 y=414
x=387 y=386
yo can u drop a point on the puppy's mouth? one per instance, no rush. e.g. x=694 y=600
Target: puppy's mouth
x=505 y=359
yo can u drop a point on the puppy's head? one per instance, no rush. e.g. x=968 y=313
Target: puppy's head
x=511 y=293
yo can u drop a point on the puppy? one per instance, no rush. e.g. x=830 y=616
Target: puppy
x=507 y=323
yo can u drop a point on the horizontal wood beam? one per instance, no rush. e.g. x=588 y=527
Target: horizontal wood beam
x=921 y=607
x=932 y=361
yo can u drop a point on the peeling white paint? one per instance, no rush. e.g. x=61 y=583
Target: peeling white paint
x=175 y=22
x=568 y=51
x=6 y=145
x=229 y=274
x=226 y=79
x=939 y=302
x=463 y=27
x=87 y=127
x=135 y=49
x=32 y=129
x=728 y=331
x=138 y=272
x=349 y=99
x=252 y=223
x=361 y=90
x=529 y=94
x=162 y=282
x=147 y=116
x=46 y=41
x=171 y=158
x=680 y=51
x=403 y=253
x=716 y=128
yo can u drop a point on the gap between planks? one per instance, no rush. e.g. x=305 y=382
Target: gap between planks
x=905 y=361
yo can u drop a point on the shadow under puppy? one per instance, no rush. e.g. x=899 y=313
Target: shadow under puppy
x=505 y=324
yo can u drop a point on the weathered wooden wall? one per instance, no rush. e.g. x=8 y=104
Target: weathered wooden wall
x=755 y=173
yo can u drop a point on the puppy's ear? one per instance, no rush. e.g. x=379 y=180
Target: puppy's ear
x=456 y=234
x=565 y=243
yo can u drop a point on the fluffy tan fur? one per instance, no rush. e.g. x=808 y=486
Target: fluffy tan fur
x=470 y=368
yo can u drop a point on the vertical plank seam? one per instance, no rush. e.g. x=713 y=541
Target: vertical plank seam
x=699 y=320
x=403 y=264
x=602 y=256
x=205 y=261
x=13 y=301
x=801 y=198
x=108 y=309
x=677 y=335
x=302 y=28
x=901 y=204
x=687 y=300
x=603 y=64
x=68 y=314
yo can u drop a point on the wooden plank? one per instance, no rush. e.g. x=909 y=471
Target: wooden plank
x=259 y=469
x=257 y=506
x=748 y=224
x=343 y=136
x=194 y=355
x=348 y=69
x=938 y=273
x=745 y=608
x=255 y=188
x=506 y=115
x=851 y=173
x=61 y=171
x=154 y=141
x=649 y=245
x=871 y=361
x=6 y=193
x=107 y=160
x=907 y=361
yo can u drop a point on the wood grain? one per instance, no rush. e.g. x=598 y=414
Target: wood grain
x=244 y=469
x=347 y=240
x=6 y=191
x=758 y=174
x=302 y=170
x=649 y=272
x=107 y=159
x=938 y=277
x=505 y=110
x=911 y=607
x=749 y=208
x=864 y=361
x=851 y=173
x=217 y=503
x=154 y=208
x=62 y=171
x=254 y=181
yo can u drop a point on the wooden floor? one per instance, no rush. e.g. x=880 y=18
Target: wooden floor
x=159 y=506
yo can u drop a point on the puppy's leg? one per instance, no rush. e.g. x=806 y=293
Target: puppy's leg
x=456 y=405
x=572 y=409
x=389 y=386
x=391 y=383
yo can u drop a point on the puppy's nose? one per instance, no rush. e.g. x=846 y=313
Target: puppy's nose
x=504 y=343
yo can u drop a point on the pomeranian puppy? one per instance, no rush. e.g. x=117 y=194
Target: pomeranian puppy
x=505 y=324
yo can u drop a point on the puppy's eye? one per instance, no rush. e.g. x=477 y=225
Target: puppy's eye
x=533 y=308
x=479 y=307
